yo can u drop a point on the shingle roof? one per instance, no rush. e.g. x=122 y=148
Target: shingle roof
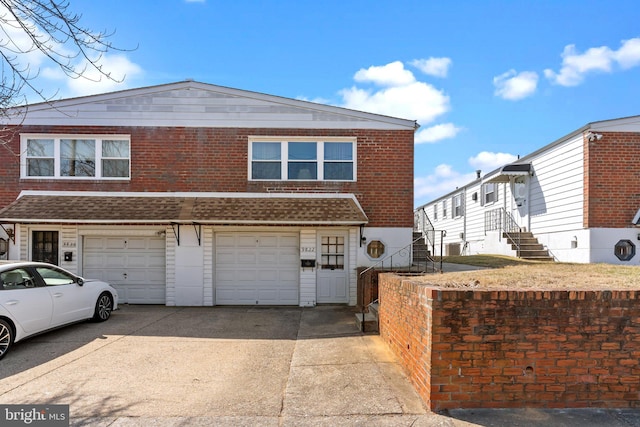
x=266 y=209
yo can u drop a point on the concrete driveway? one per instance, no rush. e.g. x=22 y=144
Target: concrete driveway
x=245 y=366
x=166 y=366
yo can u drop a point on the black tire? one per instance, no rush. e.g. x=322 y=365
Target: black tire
x=6 y=337
x=104 y=306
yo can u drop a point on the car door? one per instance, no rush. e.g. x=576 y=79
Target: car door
x=30 y=305
x=71 y=302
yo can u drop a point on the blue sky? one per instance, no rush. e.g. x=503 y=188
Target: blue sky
x=486 y=80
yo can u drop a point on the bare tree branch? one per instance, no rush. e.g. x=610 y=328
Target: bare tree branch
x=42 y=31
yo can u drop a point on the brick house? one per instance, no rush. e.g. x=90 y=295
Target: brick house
x=579 y=196
x=194 y=194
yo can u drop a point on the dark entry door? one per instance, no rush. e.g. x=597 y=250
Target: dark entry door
x=44 y=246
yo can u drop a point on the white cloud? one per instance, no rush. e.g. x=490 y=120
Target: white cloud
x=392 y=74
x=437 y=67
x=487 y=161
x=436 y=133
x=628 y=55
x=514 y=86
x=92 y=82
x=416 y=101
x=575 y=65
x=443 y=180
x=401 y=95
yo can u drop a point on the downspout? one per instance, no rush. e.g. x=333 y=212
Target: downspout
x=464 y=219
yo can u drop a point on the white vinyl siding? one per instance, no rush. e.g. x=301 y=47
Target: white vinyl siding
x=557 y=188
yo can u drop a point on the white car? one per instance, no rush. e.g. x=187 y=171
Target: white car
x=36 y=297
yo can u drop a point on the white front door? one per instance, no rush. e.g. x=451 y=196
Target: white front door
x=332 y=278
x=520 y=201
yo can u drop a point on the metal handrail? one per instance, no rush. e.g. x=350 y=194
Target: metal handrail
x=407 y=250
x=422 y=223
x=502 y=221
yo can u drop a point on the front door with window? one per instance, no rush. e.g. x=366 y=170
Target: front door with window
x=332 y=269
x=520 y=201
x=44 y=246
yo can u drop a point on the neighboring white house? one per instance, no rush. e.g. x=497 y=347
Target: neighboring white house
x=579 y=196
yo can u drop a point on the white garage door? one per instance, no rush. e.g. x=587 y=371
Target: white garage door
x=135 y=266
x=257 y=268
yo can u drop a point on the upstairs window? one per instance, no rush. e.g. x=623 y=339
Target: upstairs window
x=444 y=209
x=326 y=159
x=435 y=212
x=75 y=157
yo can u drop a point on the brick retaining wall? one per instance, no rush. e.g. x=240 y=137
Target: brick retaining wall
x=474 y=348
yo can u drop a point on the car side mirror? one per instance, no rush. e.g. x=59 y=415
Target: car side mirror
x=80 y=281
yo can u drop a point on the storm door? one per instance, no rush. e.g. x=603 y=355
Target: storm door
x=332 y=275
x=520 y=201
x=44 y=246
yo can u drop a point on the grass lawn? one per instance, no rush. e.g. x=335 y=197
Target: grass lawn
x=513 y=273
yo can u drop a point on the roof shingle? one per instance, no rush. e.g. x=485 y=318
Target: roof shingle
x=279 y=210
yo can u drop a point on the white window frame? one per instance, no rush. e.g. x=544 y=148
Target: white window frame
x=57 y=153
x=457 y=206
x=485 y=193
x=444 y=209
x=284 y=157
x=435 y=212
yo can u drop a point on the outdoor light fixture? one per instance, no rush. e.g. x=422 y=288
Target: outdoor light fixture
x=592 y=136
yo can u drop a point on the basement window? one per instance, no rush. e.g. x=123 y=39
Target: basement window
x=625 y=250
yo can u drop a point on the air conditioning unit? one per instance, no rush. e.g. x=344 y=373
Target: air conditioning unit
x=452 y=249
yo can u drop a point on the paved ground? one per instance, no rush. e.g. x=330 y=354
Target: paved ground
x=166 y=366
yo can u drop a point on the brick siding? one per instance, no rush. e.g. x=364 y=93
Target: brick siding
x=611 y=180
x=514 y=348
x=215 y=160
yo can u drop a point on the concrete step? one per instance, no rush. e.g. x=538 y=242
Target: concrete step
x=370 y=322
x=374 y=308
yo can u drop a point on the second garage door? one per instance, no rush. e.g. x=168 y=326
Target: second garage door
x=135 y=266
x=257 y=268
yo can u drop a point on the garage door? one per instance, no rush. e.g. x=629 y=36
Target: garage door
x=257 y=268
x=135 y=266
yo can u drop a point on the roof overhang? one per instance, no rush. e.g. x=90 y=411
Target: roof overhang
x=509 y=171
x=184 y=208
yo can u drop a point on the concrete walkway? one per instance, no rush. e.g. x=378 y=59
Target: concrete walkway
x=245 y=366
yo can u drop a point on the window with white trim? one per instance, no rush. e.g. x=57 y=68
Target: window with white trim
x=435 y=212
x=76 y=156
x=457 y=205
x=489 y=193
x=308 y=159
x=444 y=209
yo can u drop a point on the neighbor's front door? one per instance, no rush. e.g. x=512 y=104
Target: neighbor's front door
x=520 y=201
x=44 y=246
x=332 y=276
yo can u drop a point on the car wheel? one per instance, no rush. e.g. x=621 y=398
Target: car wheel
x=104 y=305
x=6 y=337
